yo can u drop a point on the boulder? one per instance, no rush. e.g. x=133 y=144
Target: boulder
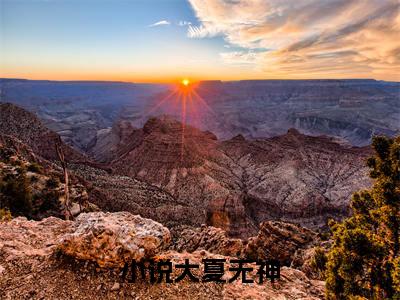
x=208 y=238
x=110 y=239
x=279 y=240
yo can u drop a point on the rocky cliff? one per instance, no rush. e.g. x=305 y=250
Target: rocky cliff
x=238 y=183
x=26 y=127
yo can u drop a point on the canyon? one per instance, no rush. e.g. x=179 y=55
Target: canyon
x=350 y=110
x=183 y=176
x=254 y=170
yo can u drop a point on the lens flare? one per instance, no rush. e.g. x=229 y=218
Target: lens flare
x=185 y=82
x=184 y=102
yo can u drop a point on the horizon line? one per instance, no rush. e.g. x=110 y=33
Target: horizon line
x=205 y=80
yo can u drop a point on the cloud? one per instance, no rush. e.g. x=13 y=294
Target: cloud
x=310 y=38
x=184 y=23
x=241 y=57
x=160 y=23
x=201 y=31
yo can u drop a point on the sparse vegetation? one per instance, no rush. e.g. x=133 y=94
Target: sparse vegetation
x=49 y=201
x=52 y=183
x=318 y=261
x=5 y=215
x=364 y=262
x=34 y=179
x=5 y=153
x=24 y=195
x=34 y=167
x=15 y=194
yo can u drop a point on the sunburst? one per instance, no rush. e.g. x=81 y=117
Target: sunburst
x=185 y=82
x=184 y=99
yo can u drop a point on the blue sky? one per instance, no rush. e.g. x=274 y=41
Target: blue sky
x=164 y=40
x=103 y=39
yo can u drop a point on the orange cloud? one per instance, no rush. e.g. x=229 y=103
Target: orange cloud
x=335 y=38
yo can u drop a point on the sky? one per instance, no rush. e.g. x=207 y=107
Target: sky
x=167 y=40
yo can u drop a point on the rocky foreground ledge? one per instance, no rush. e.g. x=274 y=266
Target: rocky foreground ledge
x=81 y=259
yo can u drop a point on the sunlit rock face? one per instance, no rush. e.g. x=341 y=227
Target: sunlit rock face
x=238 y=183
x=111 y=239
x=190 y=167
x=297 y=177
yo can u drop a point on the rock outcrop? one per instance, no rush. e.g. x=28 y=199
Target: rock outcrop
x=291 y=244
x=31 y=267
x=111 y=239
x=21 y=239
x=278 y=240
x=212 y=239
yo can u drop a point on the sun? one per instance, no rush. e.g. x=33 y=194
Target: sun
x=185 y=82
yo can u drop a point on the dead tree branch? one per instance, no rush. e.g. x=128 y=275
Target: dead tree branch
x=61 y=157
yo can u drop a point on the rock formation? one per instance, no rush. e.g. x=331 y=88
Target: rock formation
x=238 y=183
x=183 y=161
x=111 y=239
x=278 y=240
x=212 y=239
x=32 y=267
x=193 y=178
x=297 y=178
x=26 y=127
x=351 y=110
